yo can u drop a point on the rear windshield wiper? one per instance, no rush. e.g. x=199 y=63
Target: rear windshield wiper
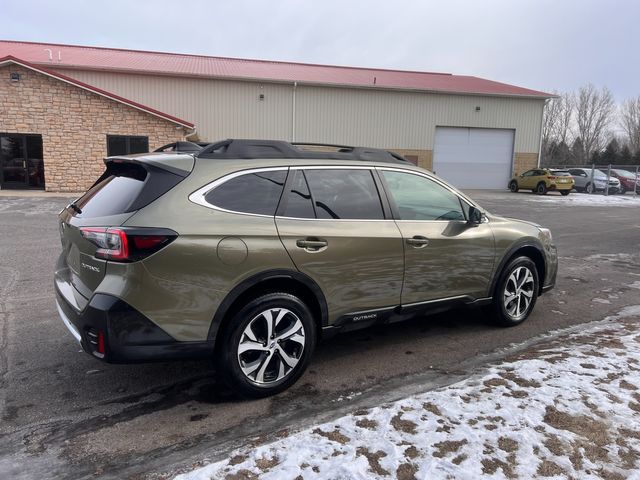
x=75 y=208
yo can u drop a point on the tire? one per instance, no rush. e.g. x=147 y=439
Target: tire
x=622 y=190
x=541 y=188
x=564 y=193
x=273 y=372
x=513 y=186
x=509 y=313
x=590 y=188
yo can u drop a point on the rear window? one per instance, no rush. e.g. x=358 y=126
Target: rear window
x=124 y=188
x=257 y=193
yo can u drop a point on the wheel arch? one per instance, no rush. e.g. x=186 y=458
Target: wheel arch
x=530 y=249
x=287 y=281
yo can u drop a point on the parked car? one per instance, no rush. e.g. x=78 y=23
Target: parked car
x=248 y=252
x=543 y=180
x=584 y=183
x=628 y=180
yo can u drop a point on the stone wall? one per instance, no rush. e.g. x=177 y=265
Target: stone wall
x=524 y=162
x=74 y=124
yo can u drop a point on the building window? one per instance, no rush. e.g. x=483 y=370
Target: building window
x=126 y=144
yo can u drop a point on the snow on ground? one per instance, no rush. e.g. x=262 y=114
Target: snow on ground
x=568 y=408
x=584 y=199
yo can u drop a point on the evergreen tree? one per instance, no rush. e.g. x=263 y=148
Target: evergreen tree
x=611 y=154
x=625 y=156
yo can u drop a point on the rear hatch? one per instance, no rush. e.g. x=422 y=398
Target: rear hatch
x=126 y=186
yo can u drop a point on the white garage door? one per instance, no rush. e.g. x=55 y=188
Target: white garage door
x=473 y=157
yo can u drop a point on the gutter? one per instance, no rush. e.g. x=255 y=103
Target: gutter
x=293 y=112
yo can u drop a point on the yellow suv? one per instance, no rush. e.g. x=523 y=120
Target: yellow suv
x=542 y=180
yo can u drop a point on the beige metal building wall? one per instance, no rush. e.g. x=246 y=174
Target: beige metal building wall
x=219 y=108
x=405 y=121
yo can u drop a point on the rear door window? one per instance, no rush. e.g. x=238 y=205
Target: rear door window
x=298 y=202
x=257 y=193
x=344 y=194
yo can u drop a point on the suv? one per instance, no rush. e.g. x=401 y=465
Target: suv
x=593 y=181
x=250 y=251
x=543 y=180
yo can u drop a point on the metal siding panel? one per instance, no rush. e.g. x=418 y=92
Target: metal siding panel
x=386 y=119
x=220 y=109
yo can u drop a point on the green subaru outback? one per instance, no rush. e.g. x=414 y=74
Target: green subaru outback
x=248 y=252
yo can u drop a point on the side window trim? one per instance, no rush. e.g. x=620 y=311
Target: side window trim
x=394 y=207
x=198 y=196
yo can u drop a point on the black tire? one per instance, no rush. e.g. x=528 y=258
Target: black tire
x=513 y=186
x=564 y=193
x=229 y=357
x=622 y=190
x=590 y=188
x=499 y=313
x=541 y=188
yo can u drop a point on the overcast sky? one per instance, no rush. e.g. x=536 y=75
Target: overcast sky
x=541 y=44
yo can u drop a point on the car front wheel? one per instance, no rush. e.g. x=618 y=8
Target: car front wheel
x=590 y=188
x=267 y=345
x=516 y=292
x=565 y=192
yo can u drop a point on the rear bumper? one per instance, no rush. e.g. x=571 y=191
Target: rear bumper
x=112 y=331
x=561 y=186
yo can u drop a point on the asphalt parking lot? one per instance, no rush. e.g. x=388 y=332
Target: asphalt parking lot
x=65 y=415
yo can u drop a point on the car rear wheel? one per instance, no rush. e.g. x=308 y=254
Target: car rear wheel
x=565 y=192
x=516 y=292
x=590 y=188
x=541 y=188
x=513 y=186
x=267 y=345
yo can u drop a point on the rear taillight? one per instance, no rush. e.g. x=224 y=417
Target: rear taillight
x=127 y=245
x=551 y=177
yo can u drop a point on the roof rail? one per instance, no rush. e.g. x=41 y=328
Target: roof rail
x=182 y=146
x=246 y=149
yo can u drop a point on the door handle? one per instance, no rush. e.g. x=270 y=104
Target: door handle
x=311 y=244
x=418 y=241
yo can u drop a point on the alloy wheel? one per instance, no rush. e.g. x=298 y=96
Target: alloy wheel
x=518 y=292
x=271 y=346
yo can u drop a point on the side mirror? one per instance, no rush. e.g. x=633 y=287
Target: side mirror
x=475 y=216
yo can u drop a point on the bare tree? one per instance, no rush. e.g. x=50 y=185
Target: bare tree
x=556 y=124
x=594 y=113
x=630 y=122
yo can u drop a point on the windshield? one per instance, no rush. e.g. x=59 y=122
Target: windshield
x=561 y=173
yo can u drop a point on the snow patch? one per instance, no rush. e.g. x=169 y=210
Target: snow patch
x=590 y=200
x=568 y=409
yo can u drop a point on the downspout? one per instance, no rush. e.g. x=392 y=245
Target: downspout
x=293 y=112
x=541 y=126
x=194 y=131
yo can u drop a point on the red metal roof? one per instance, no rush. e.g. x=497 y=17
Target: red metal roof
x=9 y=59
x=136 y=61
